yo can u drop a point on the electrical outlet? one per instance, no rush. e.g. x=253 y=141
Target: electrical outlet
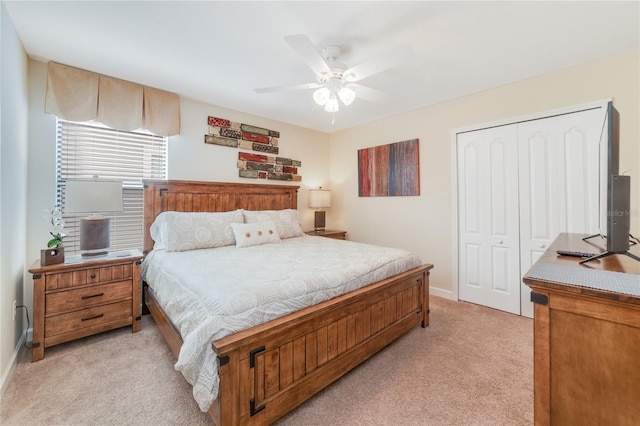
x=15 y=303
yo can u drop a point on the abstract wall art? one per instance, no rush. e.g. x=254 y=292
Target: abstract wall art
x=389 y=170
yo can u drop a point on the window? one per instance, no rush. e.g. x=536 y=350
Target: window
x=85 y=150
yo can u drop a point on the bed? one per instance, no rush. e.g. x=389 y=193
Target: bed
x=268 y=369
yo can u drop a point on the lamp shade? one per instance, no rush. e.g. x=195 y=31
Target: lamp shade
x=321 y=95
x=332 y=105
x=93 y=196
x=346 y=95
x=319 y=198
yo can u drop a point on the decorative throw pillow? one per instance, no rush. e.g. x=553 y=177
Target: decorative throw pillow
x=182 y=231
x=287 y=221
x=254 y=234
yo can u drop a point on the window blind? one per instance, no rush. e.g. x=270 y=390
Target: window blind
x=85 y=150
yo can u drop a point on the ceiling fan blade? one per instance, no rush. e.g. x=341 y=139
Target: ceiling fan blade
x=287 y=88
x=303 y=46
x=381 y=63
x=369 y=94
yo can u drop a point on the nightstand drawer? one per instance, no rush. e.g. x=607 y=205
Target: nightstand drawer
x=83 y=297
x=87 y=276
x=87 y=297
x=87 y=318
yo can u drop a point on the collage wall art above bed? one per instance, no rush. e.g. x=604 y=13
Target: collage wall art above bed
x=224 y=132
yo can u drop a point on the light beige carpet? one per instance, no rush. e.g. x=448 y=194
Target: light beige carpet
x=472 y=366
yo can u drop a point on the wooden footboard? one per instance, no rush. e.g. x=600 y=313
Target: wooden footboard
x=268 y=370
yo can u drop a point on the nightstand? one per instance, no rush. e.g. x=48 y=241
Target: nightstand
x=329 y=233
x=84 y=296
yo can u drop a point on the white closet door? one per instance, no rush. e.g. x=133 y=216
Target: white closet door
x=489 y=247
x=559 y=182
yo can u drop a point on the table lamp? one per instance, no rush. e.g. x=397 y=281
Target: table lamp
x=95 y=197
x=319 y=199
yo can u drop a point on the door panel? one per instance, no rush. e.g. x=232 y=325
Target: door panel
x=489 y=270
x=536 y=174
x=519 y=186
x=500 y=270
x=559 y=182
x=472 y=264
x=470 y=200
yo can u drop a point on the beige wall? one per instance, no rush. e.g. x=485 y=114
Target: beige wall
x=424 y=223
x=189 y=158
x=13 y=189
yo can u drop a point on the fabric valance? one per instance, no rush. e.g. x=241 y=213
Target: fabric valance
x=79 y=95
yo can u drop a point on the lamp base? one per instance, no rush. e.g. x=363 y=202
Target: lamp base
x=94 y=236
x=319 y=220
x=94 y=253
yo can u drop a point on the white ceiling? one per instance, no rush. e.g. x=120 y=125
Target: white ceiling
x=217 y=52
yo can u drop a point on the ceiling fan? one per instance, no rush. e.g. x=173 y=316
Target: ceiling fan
x=334 y=80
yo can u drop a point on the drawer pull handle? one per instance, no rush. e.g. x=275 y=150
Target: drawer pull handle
x=93 y=275
x=92 y=295
x=93 y=317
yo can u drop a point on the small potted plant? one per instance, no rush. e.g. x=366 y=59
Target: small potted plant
x=55 y=252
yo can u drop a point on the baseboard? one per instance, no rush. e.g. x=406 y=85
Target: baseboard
x=446 y=294
x=13 y=362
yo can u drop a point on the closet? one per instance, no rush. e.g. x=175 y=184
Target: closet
x=518 y=185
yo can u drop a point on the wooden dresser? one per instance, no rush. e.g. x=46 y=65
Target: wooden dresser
x=82 y=297
x=586 y=336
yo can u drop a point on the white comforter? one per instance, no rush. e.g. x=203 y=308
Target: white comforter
x=211 y=293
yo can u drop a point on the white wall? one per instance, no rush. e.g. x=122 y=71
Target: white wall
x=424 y=223
x=189 y=158
x=13 y=188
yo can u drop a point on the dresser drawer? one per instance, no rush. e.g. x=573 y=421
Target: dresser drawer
x=87 y=276
x=86 y=318
x=65 y=301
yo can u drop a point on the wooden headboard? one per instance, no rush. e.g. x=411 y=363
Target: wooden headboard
x=193 y=196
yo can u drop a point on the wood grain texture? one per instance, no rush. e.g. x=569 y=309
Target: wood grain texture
x=329 y=233
x=586 y=346
x=316 y=346
x=304 y=351
x=193 y=196
x=74 y=300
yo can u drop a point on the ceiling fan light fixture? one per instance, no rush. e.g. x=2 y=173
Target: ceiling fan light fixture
x=346 y=95
x=332 y=105
x=321 y=96
x=334 y=80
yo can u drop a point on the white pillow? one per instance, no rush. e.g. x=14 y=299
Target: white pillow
x=157 y=230
x=181 y=231
x=287 y=221
x=254 y=234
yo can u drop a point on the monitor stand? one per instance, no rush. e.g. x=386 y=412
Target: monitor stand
x=608 y=253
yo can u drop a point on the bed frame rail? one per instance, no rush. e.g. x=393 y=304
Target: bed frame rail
x=276 y=367
x=268 y=370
